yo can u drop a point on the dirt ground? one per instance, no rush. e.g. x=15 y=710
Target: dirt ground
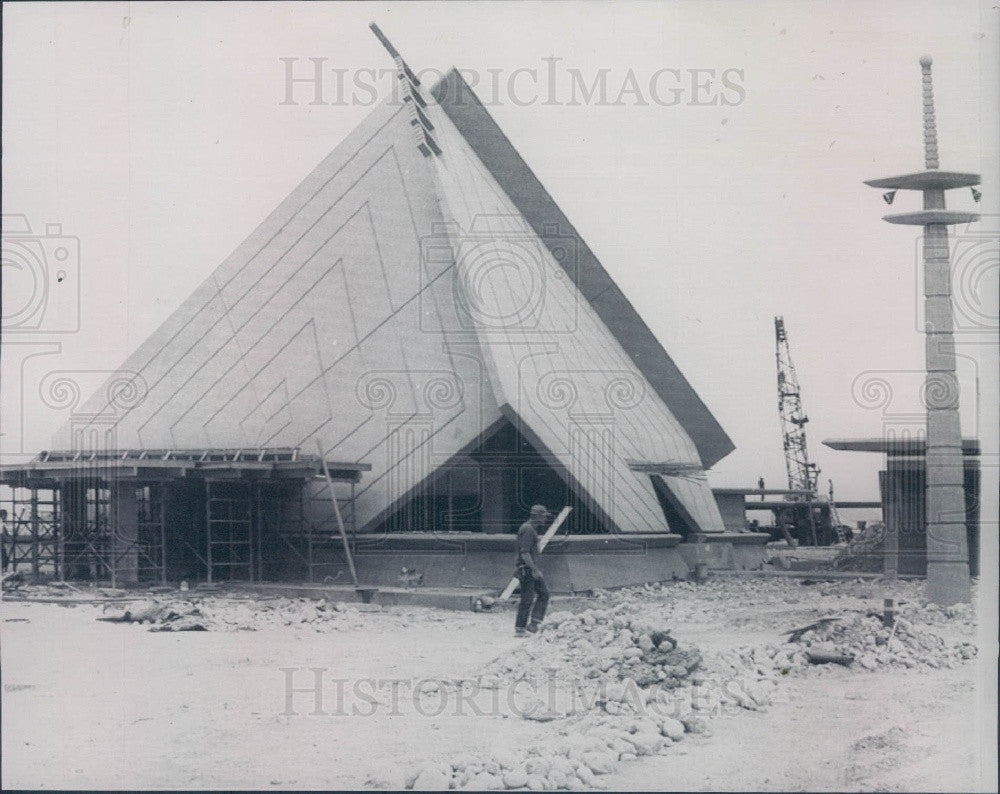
x=89 y=704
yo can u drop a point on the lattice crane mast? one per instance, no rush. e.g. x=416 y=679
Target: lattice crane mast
x=802 y=475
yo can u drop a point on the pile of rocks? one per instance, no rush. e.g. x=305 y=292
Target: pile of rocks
x=960 y=616
x=873 y=645
x=593 y=747
x=642 y=697
x=605 y=645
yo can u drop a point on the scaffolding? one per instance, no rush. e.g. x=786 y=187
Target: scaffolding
x=229 y=519
x=151 y=531
x=141 y=516
x=30 y=530
x=309 y=540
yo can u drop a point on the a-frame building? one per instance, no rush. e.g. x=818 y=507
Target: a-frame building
x=421 y=306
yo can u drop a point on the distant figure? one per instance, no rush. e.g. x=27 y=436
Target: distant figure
x=760 y=484
x=534 y=592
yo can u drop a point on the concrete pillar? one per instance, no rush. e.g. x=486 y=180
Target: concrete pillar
x=124 y=528
x=947 y=548
x=892 y=502
x=498 y=499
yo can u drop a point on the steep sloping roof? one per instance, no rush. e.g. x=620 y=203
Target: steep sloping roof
x=555 y=369
x=541 y=212
x=397 y=306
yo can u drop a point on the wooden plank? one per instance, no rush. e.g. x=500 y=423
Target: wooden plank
x=542 y=543
x=336 y=510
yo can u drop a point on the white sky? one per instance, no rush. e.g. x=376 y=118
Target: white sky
x=154 y=134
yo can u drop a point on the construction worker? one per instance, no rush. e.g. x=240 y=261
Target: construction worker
x=534 y=591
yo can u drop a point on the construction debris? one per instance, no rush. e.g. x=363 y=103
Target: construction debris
x=12 y=580
x=864 y=552
x=796 y=634
x=218 y=613
x=822 y=657
x=613 y=677
x=865 y=638
x=609 y=645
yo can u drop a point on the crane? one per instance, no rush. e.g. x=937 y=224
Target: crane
x=802 y=475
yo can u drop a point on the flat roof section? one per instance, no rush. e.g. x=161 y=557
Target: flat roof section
x=893 y=446
x=48 y=468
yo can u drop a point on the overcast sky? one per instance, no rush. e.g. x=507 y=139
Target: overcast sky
x=156 y=134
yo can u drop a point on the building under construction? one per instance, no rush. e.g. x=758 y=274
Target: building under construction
x=414 y=347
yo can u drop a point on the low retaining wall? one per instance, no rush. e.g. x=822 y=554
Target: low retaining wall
x=571 y=564
x=726 y=551
x=576 y=563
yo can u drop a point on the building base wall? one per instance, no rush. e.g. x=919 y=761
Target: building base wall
x=572 y=564
x=728 y=551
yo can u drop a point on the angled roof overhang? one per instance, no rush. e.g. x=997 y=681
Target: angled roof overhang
x=507 y=167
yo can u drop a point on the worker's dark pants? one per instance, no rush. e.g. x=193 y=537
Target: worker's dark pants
x=534 y=598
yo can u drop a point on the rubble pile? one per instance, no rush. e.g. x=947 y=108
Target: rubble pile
x=635 y=692
x=604 y=645
x=219 y=613
x=959 y=616
x=595 y=746
x=649 y=692
x=864 y=552
x=711 y=601
x=874 y=645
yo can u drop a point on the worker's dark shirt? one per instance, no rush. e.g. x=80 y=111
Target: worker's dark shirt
x=527 y=542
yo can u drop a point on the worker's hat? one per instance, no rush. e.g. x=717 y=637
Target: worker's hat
x=540 y=510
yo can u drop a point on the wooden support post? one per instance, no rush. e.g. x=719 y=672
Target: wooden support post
x=255 y=523
x=123 y=510
x=259 y=551
x=354 y=520
x=112 y=533
x=163 y=490
x=893 y=514
x=34 y=532
x=60 y=527
x=208 y=531
x=336 y=510
x=888 y=613
x=309 y=556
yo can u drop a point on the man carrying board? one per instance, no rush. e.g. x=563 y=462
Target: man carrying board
x=534 y=591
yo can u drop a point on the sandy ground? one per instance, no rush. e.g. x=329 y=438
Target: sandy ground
x=88 y=704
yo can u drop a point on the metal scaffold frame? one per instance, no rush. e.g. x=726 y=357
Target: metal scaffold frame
x=229 y=529
x=86 y=532
x=31 y=534
x=304 y=537
x=132 y=516
x=151 y=530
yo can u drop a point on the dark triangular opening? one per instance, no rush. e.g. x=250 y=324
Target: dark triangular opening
x=490 y=489
x=680 y=521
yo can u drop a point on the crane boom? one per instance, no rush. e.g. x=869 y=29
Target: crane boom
x=802 y=475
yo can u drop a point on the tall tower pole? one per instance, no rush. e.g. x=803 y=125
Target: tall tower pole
x=947 y=546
